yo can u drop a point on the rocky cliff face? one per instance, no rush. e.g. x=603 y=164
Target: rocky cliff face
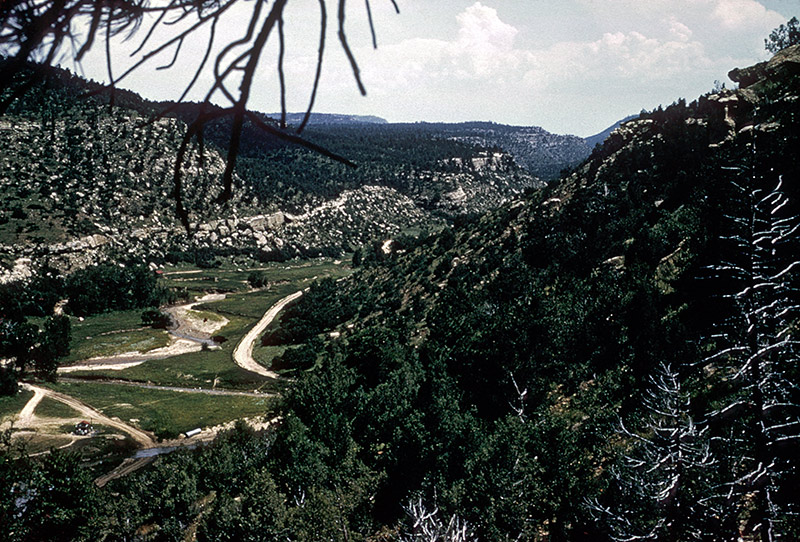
x=541 y=153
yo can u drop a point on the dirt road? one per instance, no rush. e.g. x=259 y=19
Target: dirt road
x=243 y=354
x=135 y=384
x=141 y=438
x=26 y=414
x=189 y=324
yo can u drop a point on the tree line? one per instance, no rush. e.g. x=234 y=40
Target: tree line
x=35 y=337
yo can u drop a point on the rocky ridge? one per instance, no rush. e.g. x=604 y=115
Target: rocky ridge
x=84 y=183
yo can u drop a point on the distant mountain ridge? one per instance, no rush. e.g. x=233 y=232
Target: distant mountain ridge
x=542 y=153
x=329 y=118
x=84 y=182
x=600 y=137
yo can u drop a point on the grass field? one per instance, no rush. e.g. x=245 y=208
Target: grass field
x=254 y=304
x=112 y=333
x=203 y=369
x=265 y=354
x=106 y=444
x=230 y=278
x=11 y=405
x=166 y=413
x=50 y=408
x=242 y=307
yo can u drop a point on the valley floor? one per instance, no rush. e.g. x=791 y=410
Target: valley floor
x=141 y=389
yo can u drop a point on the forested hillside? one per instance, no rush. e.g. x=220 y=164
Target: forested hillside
x=611 y=358
x=86 y=181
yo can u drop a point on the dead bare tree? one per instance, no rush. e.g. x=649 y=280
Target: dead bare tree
x=757 y=355
x=429 y=526
x=657 y=482
x=43 y=30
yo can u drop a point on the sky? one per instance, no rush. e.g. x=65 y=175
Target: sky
x=569 y=66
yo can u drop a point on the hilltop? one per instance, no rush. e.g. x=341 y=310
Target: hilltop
x=85 y=182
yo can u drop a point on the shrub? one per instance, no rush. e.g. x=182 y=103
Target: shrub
x=157 y=319
x=257 y=279
x=8 y=381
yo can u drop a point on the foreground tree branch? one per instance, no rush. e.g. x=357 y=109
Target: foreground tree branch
x=42 y=31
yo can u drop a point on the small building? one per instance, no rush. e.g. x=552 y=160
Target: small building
x=83 y=428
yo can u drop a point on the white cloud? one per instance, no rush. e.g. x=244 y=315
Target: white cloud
x=642 y=54
x=616 y=58
x=482 y=31
x=739 y=14
x=678 y=30
x=485 y=45
x=561 y=64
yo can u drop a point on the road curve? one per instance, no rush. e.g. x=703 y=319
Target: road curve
x=26 y=414
x=182 y=342
x=141 y=438
x=243 y=353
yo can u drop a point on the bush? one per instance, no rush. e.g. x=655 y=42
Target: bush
x=8 y=381
x=784 y=36
x=257 y=279
x=300 y=358
x=157 y=319
x=109 y=287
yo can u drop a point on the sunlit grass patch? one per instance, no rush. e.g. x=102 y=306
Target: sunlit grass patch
x=265 y=354
x=50 y=408
x=167 y=413
x=112 y=333
x=205 y=315
x=142 y=340
x=204 y=369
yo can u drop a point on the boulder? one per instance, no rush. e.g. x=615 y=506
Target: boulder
x=748 y=76
x=671 y=267
x=785 y=62
x=258 y=223
x=275 y=220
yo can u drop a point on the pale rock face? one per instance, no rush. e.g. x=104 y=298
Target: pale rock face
x=785 y=61
x=457 y=196
x=21 y=271
x=276 y=220
x=258 y=223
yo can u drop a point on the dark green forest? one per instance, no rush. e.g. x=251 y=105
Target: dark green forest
x=613 y=357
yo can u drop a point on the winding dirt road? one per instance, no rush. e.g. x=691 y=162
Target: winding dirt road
x=243 y=354
x=179 y=344
x=141 y=438
x=26 y=414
